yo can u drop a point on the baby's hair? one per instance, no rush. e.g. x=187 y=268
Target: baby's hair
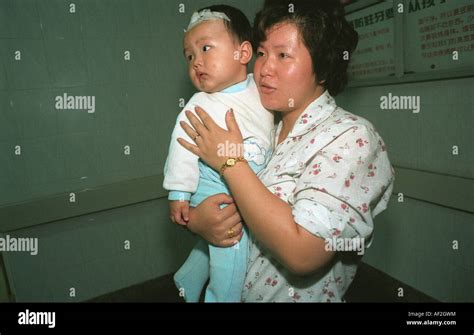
x=239 y=26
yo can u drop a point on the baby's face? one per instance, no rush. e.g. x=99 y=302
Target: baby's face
x=210 y=53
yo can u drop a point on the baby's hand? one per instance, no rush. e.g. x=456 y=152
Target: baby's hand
x=179 y=212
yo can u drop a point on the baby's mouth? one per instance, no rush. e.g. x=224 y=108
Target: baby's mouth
x=202 y=76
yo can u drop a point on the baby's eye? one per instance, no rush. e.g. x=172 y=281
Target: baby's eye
x=189 y=58
x=206 y=48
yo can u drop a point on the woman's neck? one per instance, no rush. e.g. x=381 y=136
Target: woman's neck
x=289 y=118
x=288 y=122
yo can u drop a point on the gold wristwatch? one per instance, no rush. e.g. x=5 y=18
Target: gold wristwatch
x=231 y=162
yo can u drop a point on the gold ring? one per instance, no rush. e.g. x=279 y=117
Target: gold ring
x=230 y=233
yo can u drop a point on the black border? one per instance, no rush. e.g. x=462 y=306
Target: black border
x=90 y=317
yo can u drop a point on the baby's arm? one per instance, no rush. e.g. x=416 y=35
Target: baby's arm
x=181 y=170
x=179 y=212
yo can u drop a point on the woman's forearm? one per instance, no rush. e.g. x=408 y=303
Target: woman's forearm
x=212 y=223
x=271 y=221
x=269 y=218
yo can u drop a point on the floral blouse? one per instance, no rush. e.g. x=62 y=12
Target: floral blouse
x=334 y=172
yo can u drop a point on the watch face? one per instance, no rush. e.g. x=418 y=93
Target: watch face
x=231 y=161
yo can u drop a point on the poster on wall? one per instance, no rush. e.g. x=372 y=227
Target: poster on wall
x=439 y=35
x=374 y=56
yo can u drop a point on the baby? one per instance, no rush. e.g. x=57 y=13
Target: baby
x=217 y=49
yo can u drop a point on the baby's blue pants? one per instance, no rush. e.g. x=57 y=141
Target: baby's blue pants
x=224 y=267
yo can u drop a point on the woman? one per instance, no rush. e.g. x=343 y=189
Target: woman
x=329 y=173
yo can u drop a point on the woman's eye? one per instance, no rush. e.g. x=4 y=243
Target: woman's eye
x=206 y=48
x=283 y=55
x=259 y=54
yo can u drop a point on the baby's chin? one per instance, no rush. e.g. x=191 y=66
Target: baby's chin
x=207 y=88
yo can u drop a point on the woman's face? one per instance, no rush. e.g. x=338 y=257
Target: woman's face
x=284 y=72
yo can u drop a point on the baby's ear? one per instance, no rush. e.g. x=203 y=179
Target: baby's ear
x=246 y=53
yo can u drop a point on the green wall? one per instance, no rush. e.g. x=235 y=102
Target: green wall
x=82 y=53
x=424 y=238
x=414 y=238
x=87 y=256
x=4 y=289
x=119 y=197
x=64 y=151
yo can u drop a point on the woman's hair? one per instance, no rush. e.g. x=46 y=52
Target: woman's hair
x=324 y=31
x=239 y=26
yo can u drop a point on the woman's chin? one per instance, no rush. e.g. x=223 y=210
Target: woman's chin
x=271 y=104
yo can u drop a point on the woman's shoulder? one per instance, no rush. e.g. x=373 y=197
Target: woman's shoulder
x=346 y=127
x=342 y=121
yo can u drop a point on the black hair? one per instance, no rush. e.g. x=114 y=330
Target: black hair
x=324 y=30
x=239 y=25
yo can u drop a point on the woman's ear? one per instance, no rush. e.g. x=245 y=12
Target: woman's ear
x=245 y=53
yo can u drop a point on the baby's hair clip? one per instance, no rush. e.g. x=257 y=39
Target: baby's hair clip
x=205 y=15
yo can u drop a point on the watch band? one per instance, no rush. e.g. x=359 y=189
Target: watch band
x=230 y=162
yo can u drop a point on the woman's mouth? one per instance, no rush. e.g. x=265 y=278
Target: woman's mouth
x=266 y=89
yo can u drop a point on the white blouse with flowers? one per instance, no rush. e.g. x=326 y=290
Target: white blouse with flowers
x=334 y=172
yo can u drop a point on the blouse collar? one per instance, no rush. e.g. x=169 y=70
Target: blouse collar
x=313 y=115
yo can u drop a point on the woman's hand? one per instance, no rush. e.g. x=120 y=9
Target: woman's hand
x=220 y=227
x=214 y=145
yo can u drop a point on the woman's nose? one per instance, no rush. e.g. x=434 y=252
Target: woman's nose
x=267 y=67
